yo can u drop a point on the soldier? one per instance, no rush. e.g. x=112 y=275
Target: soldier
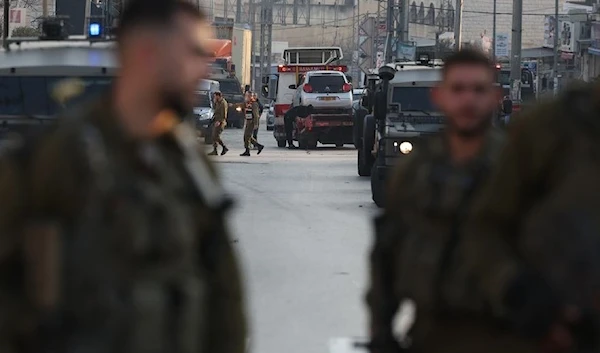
x=260 y=111
x=220 y=121
x=414 y=254
x=112 y=231
x=532 y=240
x=252 y=119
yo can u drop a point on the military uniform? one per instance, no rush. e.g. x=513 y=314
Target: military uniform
x=110 y=244
x=252 y=118
x=541 y=210
x=417 y=255
x=220 y=117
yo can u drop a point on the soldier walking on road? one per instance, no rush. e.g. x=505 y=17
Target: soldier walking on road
x=112 y=226
x=252 y=118
x=220 y=121
x=415 y=253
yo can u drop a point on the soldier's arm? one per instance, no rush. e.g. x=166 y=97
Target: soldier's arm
x=491 y=235
x=227 y=324
x=381 y=298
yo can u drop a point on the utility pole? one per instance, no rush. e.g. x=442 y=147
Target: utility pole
x=238 y=11
x=45 y=8
x=494 y=32
x=390 y=31
x=252 y=23
x=458 y=25
x=5 y=27
x=555 y=65
x=515 y=62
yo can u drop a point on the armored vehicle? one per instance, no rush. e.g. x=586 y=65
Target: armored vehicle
x=403 y=116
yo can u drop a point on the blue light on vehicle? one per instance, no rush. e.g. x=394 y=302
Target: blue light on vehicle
x=94 y=30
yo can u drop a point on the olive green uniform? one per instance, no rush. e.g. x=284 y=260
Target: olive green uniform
x=153 y=239
x=547 y=174
x=417 y=255
x=220 y=115
x=250 y=125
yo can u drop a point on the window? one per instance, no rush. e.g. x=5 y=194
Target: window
x=203 y=100
x=326 y=83
x=230 y=86
x=430 y=19
x=421 y=13
x=33 y=95
x=413 y=12
x=11 y=99
x=413 y=98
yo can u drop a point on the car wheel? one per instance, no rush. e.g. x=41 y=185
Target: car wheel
x=281 y=143
x=339 y=145
x=368 y=141
x=312 y=144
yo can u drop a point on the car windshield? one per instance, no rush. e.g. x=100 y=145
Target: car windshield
x=202 y=100
x=33 y=95
x=230 y=86
x=413 y=98
x=326 y=83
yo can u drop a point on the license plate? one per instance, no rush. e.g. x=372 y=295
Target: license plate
x=327 y=98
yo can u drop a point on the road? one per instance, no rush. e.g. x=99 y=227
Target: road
x=303 y=230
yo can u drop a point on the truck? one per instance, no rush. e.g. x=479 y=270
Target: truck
x=237 y=54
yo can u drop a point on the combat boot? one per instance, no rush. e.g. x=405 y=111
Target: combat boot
x=225 y=150
x=214 y=152
x=260 y=148
x=246 y=154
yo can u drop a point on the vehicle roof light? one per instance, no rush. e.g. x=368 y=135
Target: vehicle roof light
x=307 y=68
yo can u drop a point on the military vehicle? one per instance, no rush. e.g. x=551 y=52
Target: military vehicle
x=403 y=115
x=39 y=78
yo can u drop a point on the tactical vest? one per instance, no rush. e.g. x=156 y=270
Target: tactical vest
x=442 y=196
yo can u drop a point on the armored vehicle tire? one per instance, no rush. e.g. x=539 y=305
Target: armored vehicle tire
x=364 y=169
x=377 y=187
x=368 y=133
x=281 y=143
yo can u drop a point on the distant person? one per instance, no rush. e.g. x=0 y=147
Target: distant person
x=289 y=119
x=260 y=111
x=112 y=225
x=219 y=123
x=252 y=117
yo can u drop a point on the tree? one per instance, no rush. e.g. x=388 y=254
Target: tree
x=25 y=32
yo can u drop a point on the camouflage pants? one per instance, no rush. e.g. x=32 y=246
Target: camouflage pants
x=248 y=134
x=216 y=134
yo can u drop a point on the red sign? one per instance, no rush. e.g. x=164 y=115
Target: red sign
x=306 y=68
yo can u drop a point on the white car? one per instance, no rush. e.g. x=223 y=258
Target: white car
x=324 y=90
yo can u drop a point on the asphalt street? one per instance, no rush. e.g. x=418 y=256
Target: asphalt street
x=302 y=226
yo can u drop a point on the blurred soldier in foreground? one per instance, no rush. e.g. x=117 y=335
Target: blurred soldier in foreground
x=534 y=235
x=414 y=256
x=112 y=226
x=220 y=121
x=252 y=119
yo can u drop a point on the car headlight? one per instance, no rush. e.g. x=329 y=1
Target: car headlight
x=238 y=109
x=204 y=116
x=404 y=147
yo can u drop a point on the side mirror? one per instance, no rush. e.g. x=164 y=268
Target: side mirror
x=264 y=91
x=507 y=106
x=292 y=86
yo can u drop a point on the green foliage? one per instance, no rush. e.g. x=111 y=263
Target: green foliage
x=25 y=32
